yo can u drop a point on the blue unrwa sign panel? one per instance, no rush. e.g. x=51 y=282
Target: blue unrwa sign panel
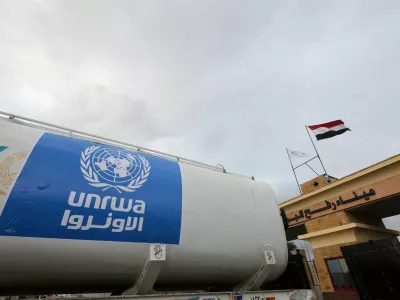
x=75 y=189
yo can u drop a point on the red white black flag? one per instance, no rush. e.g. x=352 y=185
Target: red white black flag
x=328 y=130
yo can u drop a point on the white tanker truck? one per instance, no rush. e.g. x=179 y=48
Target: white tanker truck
x=81 y=213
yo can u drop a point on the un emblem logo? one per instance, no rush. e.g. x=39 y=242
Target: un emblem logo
x=114 y=168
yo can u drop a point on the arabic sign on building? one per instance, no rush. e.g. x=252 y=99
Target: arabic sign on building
x=362 y=196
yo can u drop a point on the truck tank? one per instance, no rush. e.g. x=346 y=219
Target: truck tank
x=78 y=213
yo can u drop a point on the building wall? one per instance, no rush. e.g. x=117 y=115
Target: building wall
x=337 y=228
x=313 y=184
x=373 y=174
x=328 y=233
x=320 y=254
x=340 y=218
x=328 y=221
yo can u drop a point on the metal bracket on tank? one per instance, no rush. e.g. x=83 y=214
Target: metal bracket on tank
x=151 y=270
x=254 y=282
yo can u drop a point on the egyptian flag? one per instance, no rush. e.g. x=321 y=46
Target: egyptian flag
x=328 y=130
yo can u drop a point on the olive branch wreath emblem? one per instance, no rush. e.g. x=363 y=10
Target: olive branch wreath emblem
x=93 y=178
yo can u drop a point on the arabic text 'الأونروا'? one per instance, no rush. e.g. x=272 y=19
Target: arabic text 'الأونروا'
x=94 y=201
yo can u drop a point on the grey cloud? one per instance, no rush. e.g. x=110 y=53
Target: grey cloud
x=98 y=110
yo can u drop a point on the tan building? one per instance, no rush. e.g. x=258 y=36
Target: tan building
x=332 y=213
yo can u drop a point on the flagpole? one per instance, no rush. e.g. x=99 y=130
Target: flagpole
x=316 y=151
x=294 y=172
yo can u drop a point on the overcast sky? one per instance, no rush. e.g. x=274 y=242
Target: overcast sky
x=230 y=82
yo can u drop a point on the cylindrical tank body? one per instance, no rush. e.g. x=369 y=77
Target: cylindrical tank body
x=79 y=216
